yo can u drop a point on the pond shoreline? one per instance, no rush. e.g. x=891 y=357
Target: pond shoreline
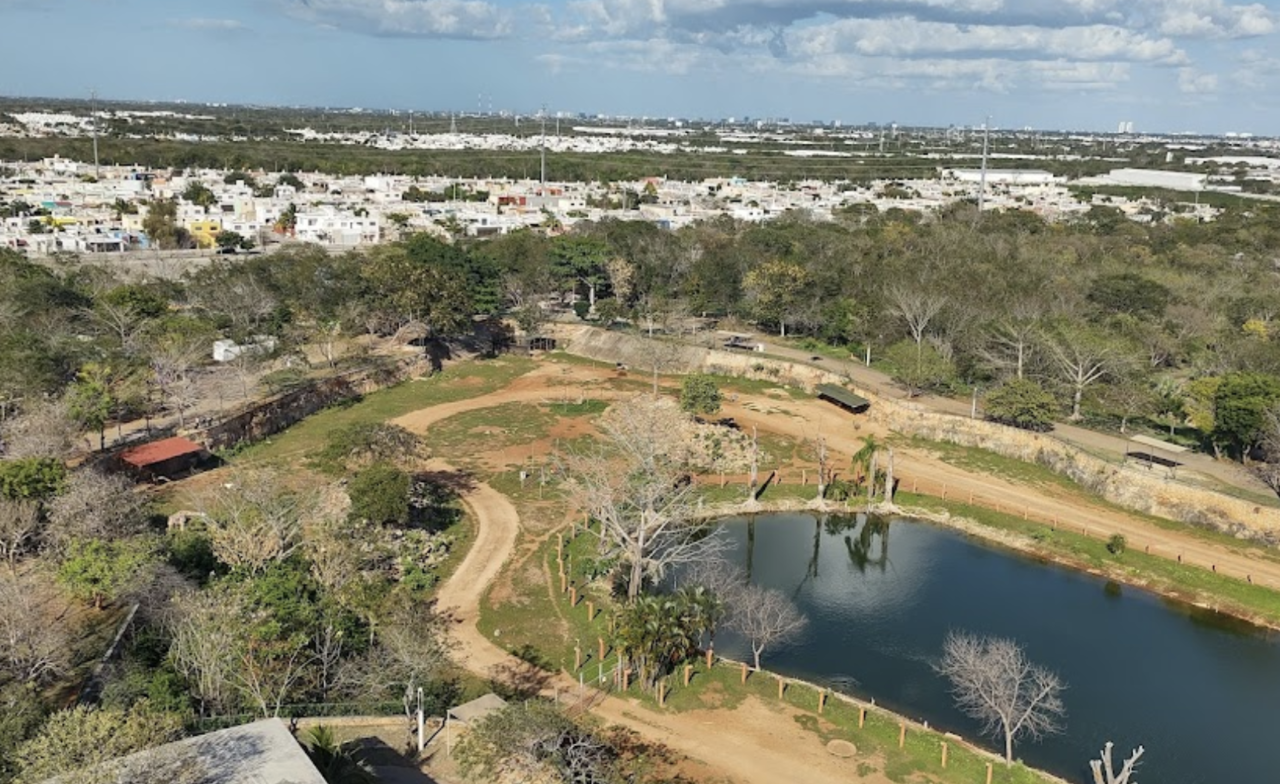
x=1017 y=542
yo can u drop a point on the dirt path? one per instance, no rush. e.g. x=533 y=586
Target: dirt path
x=751 y=743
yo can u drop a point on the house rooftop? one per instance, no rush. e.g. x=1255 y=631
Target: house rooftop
x=159 y=451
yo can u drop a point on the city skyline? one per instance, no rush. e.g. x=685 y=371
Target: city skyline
x=1204 y=66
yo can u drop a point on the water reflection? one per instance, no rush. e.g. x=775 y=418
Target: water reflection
x=1197 y=689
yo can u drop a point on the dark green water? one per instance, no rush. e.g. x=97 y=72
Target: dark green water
x=1201 y=692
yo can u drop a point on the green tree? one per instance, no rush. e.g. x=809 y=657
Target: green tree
x=1240 y=403
x=918 y=367
x=161 y=224
x=1023 y=403
x=38 y=478
x=580 y=259
x=421 y=280
x=380 y=494
x=699 y=394
x=658 y=632
x=90 y=400
x=199 y=194
x=776 y=290
x=231 y=241
x=79 y=739
x=1129 y=293
x=98 y=572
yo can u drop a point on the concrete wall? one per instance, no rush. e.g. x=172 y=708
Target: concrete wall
x=1128 y=486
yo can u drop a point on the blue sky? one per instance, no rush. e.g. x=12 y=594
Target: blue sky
x=1165 y=65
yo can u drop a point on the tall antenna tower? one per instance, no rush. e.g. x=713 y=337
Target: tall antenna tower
x=543 y=115
x=982 y=178
x=93 y=117
x=453 y=123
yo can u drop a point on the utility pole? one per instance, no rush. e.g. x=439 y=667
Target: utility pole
x=93 y=116
x=982 y=179
x=453 y=123
x=543 y=115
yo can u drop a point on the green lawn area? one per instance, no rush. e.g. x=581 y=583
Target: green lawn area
x=1191 y=583
x=464 y=380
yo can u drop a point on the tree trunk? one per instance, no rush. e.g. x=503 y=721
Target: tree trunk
x=1008 y=747
x=871 y=478
x=756 y=652
x=1075 y=403
x=888 y=479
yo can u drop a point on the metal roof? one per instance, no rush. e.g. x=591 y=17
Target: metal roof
x=160 y=451
x=843 y=397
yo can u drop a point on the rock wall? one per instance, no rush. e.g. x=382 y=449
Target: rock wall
x=1128 y=486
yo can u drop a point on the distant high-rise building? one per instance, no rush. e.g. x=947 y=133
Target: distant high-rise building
x=1126 y=126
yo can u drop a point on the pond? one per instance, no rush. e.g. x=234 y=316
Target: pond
x=1200 y=691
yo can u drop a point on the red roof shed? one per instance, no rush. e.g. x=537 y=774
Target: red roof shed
x=166 y=457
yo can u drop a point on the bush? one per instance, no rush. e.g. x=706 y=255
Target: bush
x=1117 y=544
x=380 y=494
x=582 y=309
x=1021 y=403
x=699 y=394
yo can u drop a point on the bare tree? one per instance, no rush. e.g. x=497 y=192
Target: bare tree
x=20 y=526
x=205 y=627
x=95 y=506
x=412 y=648
x=639 y=491
x=35 y=644
x=917 y=308
x=1104 y=773
x=993 y=682
x=823 y=455
x=764 y=616
x=254 y=519
x=173 y=362
x=1081 y=358
x=1012 y=341
x=45 y=428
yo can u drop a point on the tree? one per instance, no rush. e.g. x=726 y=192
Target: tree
x=658 y=632
x=1240 y=403
x=338 y=763
x=918 y=368
x=200 y=195
x=231 y=241
x=993 y=682
x=765 y=617
x=380 y=495
x=254 y=519
x=421 y=280
x=776 y=289
x=206 y=628
x=533 y=741
x=1104 y=773
x=85 y=740
x=161 y=224
x=699 y=394
x=21 y=522
x=174 y=358
x=35 y=646
x=917 y=308
x=361 y=444
x=32 y=478
x=96 y=505
x=45 y=429
x=1021 y=403
x=1129 y=293
x=98 y=572
x=90 y=402
x=638 y=490
x=1081 y=357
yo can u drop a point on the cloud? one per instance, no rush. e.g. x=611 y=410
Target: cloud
x=464 y=19
x=206 y=25
x=1193 y=82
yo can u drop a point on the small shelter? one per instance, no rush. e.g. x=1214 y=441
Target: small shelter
x=164 y=459
x=843 y=398
x=468 y=713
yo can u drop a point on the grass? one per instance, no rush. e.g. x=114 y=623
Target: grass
x=522 y=626
x=489 y=429
x=1183 y=581
x=988 y=462
x=466 y=379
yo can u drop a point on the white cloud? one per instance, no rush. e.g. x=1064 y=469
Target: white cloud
x=467 y=19
x=907 y=38
x=1193 y=82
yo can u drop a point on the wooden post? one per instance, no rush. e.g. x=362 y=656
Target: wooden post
x=781 y=686
x=626 y=679
x=591 y=610
x=902 y=734
x=688 y=673
x=988 y=773
x=862 y=717
x=573 y=596
x=822 y=700
x=915 y=485
x=944 y=754
x=601 y=641
x=1026 y=512
x=710 y=655
x=564 y=582
x=944 y=491
x=662 y=694
x=744 y=672
x=577 y=657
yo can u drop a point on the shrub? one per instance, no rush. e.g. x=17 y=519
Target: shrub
x=1116 y=544
x=380 y=494
x=1021 y=403
x=699 y=394
x=582 y=309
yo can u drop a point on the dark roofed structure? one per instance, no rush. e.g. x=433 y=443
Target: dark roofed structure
x=843 y=398
x=165 y=458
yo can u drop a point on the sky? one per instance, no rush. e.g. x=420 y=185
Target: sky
x=1204 y=66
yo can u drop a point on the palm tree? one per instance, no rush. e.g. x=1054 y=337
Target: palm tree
x=864 y=463
x=337 y=763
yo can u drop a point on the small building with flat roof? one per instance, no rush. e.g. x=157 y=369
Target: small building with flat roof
x=164 y=459
x=843 y=398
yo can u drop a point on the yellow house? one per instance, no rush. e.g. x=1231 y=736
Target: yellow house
x=204 y=231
